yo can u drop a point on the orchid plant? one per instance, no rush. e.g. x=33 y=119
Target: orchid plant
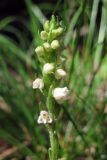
x=51 y=60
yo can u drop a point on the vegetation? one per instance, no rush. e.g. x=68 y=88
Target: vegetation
x=82 y=119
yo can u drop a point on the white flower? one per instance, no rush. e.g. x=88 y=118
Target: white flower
x=60 y=73
x=55 y=44
x=38 y=83
x=48 y=68
x=61 y=94
x=44 y=118
x=39 y=50
x=43 y=35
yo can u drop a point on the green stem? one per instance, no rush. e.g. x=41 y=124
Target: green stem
x=54 y=144
x=53 y=151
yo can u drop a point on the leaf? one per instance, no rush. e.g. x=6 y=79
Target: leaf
x=4 y=22
x=13 y=141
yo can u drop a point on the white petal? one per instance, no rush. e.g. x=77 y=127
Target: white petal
x=40 y=120
x=50 y=120
x=44 y=121
x=38 y=83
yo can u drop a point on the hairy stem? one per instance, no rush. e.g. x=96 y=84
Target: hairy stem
x=54 y=144
x=52 y=129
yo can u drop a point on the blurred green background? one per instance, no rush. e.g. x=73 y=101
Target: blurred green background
x=83 y=120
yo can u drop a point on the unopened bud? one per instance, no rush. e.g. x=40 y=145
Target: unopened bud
x=47 y=47
x=48 y=68
x=61 y=94
x=53 y=23
x=46 y=26
x=62 y=59
x=57 y=32
x=55 y=44
x=39 y=50
x=60 y=73
x=43 y=35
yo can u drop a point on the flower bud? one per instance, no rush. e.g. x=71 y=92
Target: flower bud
x=55 y=44
x=53 y=23
x=61 y=94
x=57 y=32
x=46 y=26
x=47 y=46
x=62 y=59
x=39 y=50
x=43 y=35
x=44 y=118
x=48 y=68
x=60 y=73
x=38 y=83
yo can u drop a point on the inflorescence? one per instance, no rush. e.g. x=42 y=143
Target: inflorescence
x=49 y=56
